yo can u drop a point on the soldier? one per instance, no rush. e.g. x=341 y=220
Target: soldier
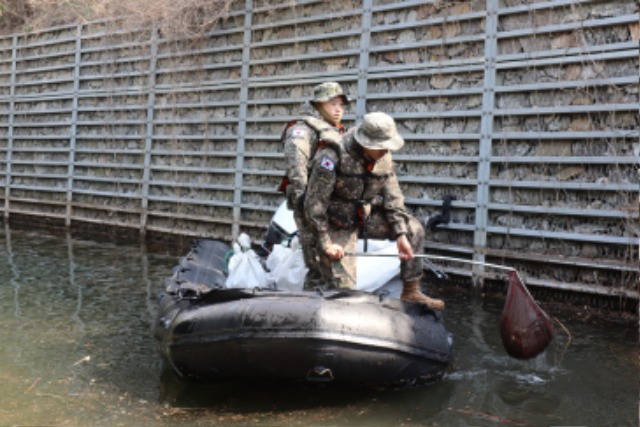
x=345 y=182
x=301 y=139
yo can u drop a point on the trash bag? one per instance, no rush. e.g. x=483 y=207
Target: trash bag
x=374 y=272
x=278 y=254
x=287 y=266
x=526 y=330
x=245 y=268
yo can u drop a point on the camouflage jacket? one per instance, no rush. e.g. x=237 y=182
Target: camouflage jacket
x=301 y=139
x=344 y=180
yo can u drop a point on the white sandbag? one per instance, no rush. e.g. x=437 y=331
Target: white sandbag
x=275 y=258
x=245 y=268
x=374 y=272
x=287 y=266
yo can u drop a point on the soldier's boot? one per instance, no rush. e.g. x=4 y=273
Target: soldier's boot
x=411 y=293
x=313 y=280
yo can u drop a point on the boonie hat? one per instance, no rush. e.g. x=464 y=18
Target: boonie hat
x=378 y=132
x=327 y=91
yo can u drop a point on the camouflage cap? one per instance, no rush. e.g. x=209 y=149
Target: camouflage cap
x=327 y=91
x=378 y=132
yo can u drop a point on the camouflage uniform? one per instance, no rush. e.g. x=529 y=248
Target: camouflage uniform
x=301 y=138
x=340 y=206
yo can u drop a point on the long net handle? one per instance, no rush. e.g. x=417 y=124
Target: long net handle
x=438 y=257
x=446 y=258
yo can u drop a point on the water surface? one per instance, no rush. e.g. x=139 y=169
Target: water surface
x=77 y=350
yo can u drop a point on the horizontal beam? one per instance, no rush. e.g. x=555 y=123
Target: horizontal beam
x=555 y=4
x=578 y=25
x=563 y=185
x=527 y=209
x=199 y=218
x=442 y=20
x=615 y=50
x=198 y=185
x=576 y=84
x=572 y=109
x=301 y=21
x=569 y=262
x=614 y=134
x=564 y=59
x=194 y=202
x=563 y=160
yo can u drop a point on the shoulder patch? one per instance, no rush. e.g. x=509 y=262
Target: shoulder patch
x=327 y=163
x=299 y=133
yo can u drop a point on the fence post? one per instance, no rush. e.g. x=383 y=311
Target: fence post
x=12 y=103
x=148 y=143
x=363 y=69
x=486 y=138
x=242 y=118
x=74 y=125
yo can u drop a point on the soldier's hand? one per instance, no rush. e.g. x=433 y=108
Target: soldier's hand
x=404 y=248
x=334 y=252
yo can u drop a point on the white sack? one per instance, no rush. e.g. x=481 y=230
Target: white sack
x=245 y=269
x=374 y=272
x=287 y=266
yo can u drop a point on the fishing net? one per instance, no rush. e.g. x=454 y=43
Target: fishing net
x=526 y=330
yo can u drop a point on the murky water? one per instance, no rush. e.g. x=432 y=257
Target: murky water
x=76 y=350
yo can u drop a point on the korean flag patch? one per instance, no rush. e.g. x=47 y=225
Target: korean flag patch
x=327 y=163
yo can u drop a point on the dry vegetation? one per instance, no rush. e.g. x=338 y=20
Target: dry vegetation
x=179 y=17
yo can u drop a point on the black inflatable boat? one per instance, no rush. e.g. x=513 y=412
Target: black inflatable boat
x=206 y=332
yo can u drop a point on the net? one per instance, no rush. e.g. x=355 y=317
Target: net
x=526 y=330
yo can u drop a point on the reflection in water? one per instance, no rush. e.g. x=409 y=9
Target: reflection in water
x=74 y=284
x=75 y=326
x=14 y=277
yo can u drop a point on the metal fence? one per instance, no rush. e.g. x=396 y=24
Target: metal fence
x=527 y=112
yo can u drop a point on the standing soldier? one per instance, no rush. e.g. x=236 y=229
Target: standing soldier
x=345 y=183
x=301 y=138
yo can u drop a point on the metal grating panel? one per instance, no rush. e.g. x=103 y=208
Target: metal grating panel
x=527 y=113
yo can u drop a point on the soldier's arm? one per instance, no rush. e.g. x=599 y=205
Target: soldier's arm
x=319 y=189
x=297 y=148
x=394 y=205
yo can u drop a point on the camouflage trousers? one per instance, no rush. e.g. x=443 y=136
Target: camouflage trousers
x=307 y=240
x=342 y=273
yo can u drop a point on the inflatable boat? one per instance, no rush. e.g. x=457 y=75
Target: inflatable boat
x=207 y=332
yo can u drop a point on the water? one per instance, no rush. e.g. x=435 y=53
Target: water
x=76 y=350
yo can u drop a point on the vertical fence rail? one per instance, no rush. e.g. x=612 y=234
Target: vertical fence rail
x=74 y=125
x=12 y=102
x=242 y=119
x=148 y=142
x=486 y=138
x=363 y=69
